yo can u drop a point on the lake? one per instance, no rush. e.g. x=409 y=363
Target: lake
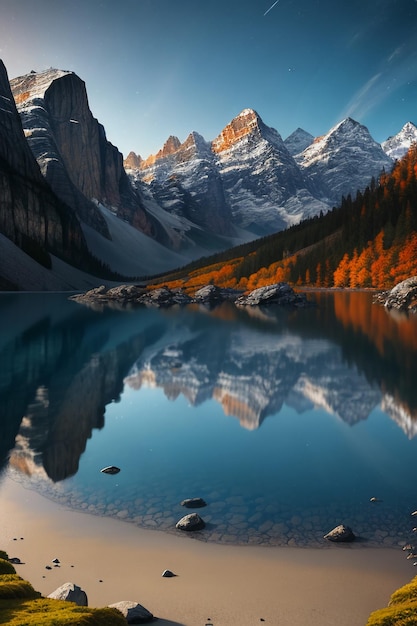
x=286 y=422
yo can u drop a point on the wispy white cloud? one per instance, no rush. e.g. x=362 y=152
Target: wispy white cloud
x=397 y=69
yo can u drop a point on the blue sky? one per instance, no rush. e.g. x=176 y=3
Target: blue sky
x=155 y=68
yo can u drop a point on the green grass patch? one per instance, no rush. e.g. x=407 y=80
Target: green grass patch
x=13 y=586
x=408 y=593
x=56 y=613
x=401 y=610
x=21 y=605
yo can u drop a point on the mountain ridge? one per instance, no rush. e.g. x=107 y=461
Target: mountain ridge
x=191 y=198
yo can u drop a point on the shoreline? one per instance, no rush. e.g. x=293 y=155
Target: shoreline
x=215 y=584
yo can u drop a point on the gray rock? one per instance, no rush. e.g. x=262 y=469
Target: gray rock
x=208 y=294
x=133 y=612
x=164 y=297
x=340 y=533
x=71 y=593
x=402 y=297
x=122 y=294
x=279 y=293
x=193 y=503
x=190 y=522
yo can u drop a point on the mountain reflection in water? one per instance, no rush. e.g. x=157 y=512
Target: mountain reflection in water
x=68 y=373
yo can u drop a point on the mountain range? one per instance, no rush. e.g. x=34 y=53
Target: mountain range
x=69 y=199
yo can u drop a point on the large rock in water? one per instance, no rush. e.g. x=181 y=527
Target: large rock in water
x=190 y=522
x=403 y=296
x=279 y=293
x=193 y=503
x=133 y=612
x=340 y=533
x=71 y=593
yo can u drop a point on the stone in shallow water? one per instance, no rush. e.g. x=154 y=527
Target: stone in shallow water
x=340 y=533
x=190 y=522
x=193 y=503
x=110 y=469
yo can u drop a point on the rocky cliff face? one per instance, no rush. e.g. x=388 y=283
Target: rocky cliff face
x=31 y=215
x=72 y=150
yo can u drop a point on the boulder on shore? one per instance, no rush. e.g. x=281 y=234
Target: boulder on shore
x=133 y=612
x=210 y=295
x=279 y=293
x=402 y=297
x=340 y=533
x=190 y=522
x=164 y=297
x=71 y=593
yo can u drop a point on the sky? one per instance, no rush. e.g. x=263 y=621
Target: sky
x=155 y=68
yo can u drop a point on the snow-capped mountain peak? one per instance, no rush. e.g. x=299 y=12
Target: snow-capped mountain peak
x=398 y=145
x=247 y=124
x=344 y=159
x=298 y=141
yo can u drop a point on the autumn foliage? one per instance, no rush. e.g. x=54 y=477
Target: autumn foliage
x=367 y=242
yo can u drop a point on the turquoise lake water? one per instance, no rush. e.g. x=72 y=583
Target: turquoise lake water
x=286 y=422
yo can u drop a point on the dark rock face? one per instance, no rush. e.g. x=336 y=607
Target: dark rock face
x=402 y=297
x=31 y=215
x=72 y=150
x=341 y=533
